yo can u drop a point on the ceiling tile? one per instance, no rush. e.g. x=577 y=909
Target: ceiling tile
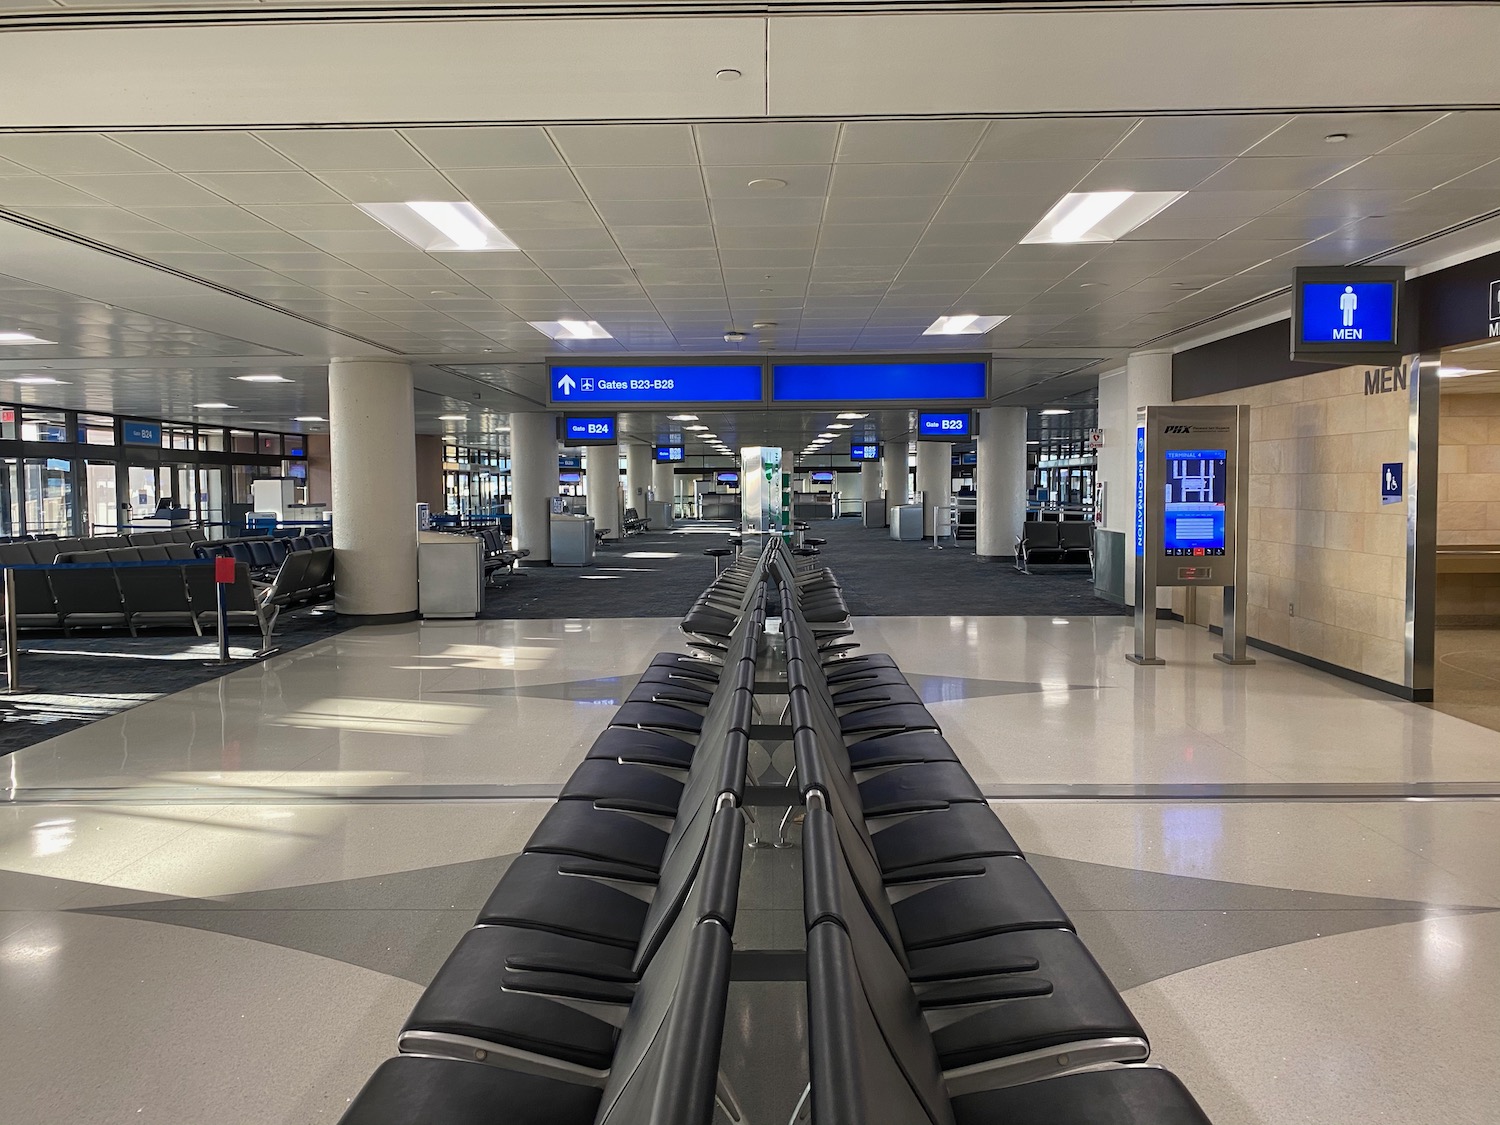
x=497 y=185
x=874 y=180
x=1417 y=172
x=800 y=180
x=338 y=150
x=652 y=212
x=1270 y=173
x=1050 y=178
x=767 y=142
x=892 y=142
x=1156 y=138
x=395 y=186
x=1468 y=132
x=1148 y=175
x=657 y=182
x=561 y=238
x=881 y=209
x=621 y=145
x=207 y=152
x=43 y=191
x=79 y=153
x=1052 y=138
x=490 y=146
x=770 y=211
x=1306 y=134
x=664 y=238
x=264 y=187
x=147 y=189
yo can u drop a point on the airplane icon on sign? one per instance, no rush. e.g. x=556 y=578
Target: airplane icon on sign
x=586 y=386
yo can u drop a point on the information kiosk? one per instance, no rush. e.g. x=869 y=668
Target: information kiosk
x=1191 y=515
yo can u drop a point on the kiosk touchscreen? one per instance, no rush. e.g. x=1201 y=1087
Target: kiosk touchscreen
x=1193 y=508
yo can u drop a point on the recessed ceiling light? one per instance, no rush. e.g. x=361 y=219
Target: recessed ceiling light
x=682 y=417
x=695 y=427
x=262 y=379
x=434 y=226
x=1336 y=138
x=767 y=184
x=309 y=418
x=826 y=436
x=762 y=325
x=22 y=338
x=34 y=380
x=1033 y=443
x=571 y=329
x=840 y=426
x=728 y=74
x=1091 y=285
x=710 y=438
x=851 y=414
x=733 y=337
x=453 y=417
x=1056 y=410
x=966 y=324
x=1100 y=216
x=213 y=406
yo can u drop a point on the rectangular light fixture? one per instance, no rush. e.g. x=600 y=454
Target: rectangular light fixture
x=572 y=329
x=453 y=417
x=22 y=338
x=965 y=324
x=434 y=226
x=309 y=418
x=34 y=380
x=682 y=417
x=1056 y=411
x=212 y=406
x=851 y=414
x=262 y=379
x=1100 y=216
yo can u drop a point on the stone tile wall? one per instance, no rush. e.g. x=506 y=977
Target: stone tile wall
x=1469 y=470
x=1327 y=561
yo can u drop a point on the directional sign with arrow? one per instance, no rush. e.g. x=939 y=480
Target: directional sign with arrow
x=566 y=384
x=590 y=384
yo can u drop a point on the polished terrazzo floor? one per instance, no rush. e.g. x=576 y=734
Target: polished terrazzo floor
x=220 y=905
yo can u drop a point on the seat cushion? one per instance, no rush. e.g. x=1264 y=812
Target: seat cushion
x=1124 y=1096
x=963 y=831
x=628 y=742
x=923 y=781
x=645 y=789
x=466 y=998
x=420 y=1091
x=1007 y=896
x=535 y=894
x=579 y=829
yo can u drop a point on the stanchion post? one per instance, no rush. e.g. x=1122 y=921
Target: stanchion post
x=223 y=578
x=12 y=642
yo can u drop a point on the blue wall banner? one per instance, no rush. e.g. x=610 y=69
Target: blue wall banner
x=880 y=382
x=592 y=384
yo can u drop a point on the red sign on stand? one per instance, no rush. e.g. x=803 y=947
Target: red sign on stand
x=224 y=571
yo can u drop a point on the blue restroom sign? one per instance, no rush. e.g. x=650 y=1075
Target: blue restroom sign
x=1356 y=312
x=1390 y=482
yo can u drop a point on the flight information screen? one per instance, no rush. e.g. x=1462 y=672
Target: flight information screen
x=1194 y=511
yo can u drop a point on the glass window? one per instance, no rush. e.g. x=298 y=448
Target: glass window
x=10 y=497
x=269 y=445
x=241 y=441
x=49 y=496
x=44 y=425
x=100 y=501
x=211 y=439
x=8 y=416
x=294 y=445
x=175 y=436
x=96 y=429
x=142 y=480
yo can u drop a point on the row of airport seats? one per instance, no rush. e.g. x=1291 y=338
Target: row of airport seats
x=1067 y=541
x=594 y=983
x=946 y=985
x=499 y=558
x=263 y=554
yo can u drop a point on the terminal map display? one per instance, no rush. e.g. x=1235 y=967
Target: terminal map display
x=1193 y=517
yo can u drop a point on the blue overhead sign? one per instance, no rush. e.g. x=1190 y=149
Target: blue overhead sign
x=584 y=431
x=140 y=433
x=880 y=382
x=946 y=426
x=669 y=453
x=865 y=452
x=590 y=384
x=1360 y=312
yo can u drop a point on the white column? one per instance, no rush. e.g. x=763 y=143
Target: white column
x=372 y=424
x=663 y=480
x=1000 y=481
x=934 y=478
x=1146 y=381
x=894 y=473
x=533 y=483
x=601 y=466
x=638 y=462
x=869 y=482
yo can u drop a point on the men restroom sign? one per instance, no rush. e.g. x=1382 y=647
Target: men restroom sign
x=1346 y=313
x=1494 y=318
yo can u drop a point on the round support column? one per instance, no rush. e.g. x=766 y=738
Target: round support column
x=601 y=466
x=372 y=428
x=895 y=473
x=1000 y=481
x=638 y=462
x=934 y=479
x=663 y=481
x=533 y=483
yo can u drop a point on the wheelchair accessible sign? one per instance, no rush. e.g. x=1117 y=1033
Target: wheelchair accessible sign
x=1390 y=482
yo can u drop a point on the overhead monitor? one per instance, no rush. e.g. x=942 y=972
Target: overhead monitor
x=868 y=451
x=1346 y=313
x=727 y=478
x=667 y=453
x=593 y=429
x=844 y=383
x=568 y=478
x=822 y=477
x=948 y=425
x=1193 y=513
x=584 y=385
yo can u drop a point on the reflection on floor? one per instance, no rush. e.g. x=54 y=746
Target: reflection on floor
x=256 y=876
x=1467 y=675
